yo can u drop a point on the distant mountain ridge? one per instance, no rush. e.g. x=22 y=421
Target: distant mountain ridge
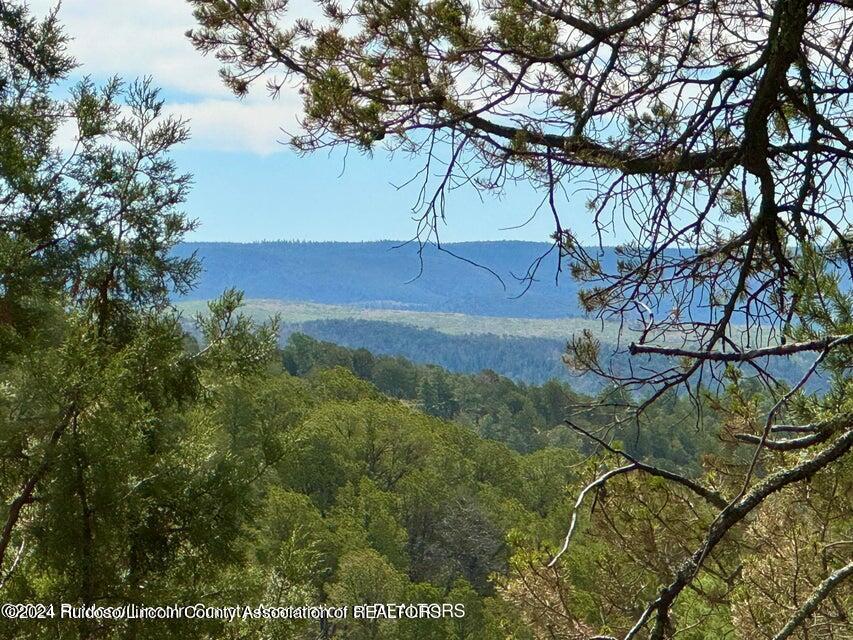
x=385 y=274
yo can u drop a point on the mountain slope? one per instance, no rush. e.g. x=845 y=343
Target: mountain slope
x=386 y=275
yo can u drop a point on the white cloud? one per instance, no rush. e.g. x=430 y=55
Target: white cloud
x=232 y=125
x=132 y=38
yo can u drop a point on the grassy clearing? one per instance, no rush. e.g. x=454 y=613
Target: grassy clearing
x=449 y=323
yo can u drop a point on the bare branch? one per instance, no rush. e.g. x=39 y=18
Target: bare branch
x=592 y=485
x=711 y=496
x=788 y=349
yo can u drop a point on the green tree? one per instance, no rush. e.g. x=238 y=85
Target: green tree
x=716 y=135
x=366 y=517
x=303 y=353
x=436 y=395
x=365 y=577
x=396 y=377
x=114 y=481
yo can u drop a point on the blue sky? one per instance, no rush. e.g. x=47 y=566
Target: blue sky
x=240 y=196
x=248 y=185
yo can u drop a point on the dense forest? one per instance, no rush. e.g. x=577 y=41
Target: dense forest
x=525 y=417
x=532 y=360
x=694 y=495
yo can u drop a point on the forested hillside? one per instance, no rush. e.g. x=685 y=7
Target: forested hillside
x=388 y=275
x=533 y=360
x=528 y=350
x=524 y=349
x=391 y=275
x=525 y=417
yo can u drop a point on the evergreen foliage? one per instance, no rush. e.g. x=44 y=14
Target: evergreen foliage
x=141 y=464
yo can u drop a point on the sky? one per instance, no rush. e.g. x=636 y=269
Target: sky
x=249 y=185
